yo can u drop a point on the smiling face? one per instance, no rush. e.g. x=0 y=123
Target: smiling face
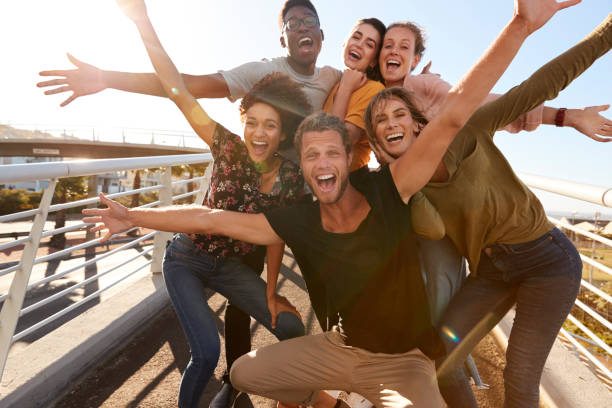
x=394 y=126
x=262 y=132
x=397 y=55
x=325 y=164
x=303 y=43
x=362 y=47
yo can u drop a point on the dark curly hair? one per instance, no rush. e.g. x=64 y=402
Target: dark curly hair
x=286 y=97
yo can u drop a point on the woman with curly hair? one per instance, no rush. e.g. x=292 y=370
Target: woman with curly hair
x=248 y=176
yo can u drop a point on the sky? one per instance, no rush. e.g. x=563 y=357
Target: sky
x=205 y=36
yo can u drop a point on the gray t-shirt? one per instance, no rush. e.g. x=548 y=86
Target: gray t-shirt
x=242 y=78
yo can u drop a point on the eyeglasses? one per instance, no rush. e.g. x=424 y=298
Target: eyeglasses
x=293 y=24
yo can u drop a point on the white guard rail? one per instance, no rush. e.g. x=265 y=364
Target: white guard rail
x=592 y=349
x=20 y=285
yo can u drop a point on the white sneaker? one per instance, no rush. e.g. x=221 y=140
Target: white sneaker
x=357 y=401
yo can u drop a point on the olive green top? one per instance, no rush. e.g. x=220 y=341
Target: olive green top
x=484 y=202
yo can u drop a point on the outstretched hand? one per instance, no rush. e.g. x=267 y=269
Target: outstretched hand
x=114 y=218
x=590 y=122
x=535 y=13
x=278 y=304
x=84 y=80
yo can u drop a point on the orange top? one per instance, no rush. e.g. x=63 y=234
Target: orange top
x=355 y=112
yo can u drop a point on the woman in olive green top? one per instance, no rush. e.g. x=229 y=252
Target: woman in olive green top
x=515 y=254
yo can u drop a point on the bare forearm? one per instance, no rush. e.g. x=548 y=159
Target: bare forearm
x=186 y=219
x=172 y=83
x=169 y=77
x=253 y=228
x=274 y=256
x=200 y=86
x=341 y=101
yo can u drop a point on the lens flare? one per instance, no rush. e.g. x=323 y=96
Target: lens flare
x=175 y=91
x=448 y=332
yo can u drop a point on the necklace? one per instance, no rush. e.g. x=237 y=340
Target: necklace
x=263 y=166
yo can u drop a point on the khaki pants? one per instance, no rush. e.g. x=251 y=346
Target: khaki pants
x=295 y=370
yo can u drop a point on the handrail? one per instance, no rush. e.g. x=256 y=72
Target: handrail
x=13 y=300
x=585 y=192
x=11 y=173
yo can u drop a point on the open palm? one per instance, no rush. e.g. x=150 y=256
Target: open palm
x=114 y=218
x=536 y=13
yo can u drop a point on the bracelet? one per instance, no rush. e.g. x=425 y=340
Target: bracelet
x=560 y=117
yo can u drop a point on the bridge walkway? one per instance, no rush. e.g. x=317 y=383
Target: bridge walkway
x=147 y=371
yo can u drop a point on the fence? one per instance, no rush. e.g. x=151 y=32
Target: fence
x=591 y=347
x=13 y=300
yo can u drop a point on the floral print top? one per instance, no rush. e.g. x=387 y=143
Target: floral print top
x=234 y=186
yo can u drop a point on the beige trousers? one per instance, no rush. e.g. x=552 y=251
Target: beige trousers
x=295 y=370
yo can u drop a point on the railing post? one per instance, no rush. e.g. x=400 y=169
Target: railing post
x=162 y=238
x=12 y=305
x=204 y=184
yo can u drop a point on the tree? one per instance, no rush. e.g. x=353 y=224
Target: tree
x=69 y=188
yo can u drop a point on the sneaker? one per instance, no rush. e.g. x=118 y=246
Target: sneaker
x=242 y=401
x=355 y=400
x=225 y=397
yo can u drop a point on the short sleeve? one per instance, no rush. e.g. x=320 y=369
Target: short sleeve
x=289 y=223
x=241 y=79
x=227 y=145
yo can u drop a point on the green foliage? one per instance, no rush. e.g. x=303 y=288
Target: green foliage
x=17 y=200
x=13 y=201
x=70 y=189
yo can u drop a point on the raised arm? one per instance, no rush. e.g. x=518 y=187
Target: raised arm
x=87 y=79
x=548 y=81
x=351 y=81
x=116 y=218
x=170 y=78
x=416 y=166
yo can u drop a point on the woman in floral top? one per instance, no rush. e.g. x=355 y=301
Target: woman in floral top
x=249 y=176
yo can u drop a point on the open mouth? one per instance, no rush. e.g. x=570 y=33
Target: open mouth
x=354 y=55
x=305 y=42
x=259 y=147
x=393 y=65
x=326 y=182
x=395 y=137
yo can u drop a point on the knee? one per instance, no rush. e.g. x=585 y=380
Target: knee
x=242 y=373
x=205 y=350
x=288 y=326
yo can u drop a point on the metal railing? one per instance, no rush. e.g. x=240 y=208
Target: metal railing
x=12 y=308
x=591 y=348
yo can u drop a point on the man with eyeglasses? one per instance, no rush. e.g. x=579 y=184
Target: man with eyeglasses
x=301 y=36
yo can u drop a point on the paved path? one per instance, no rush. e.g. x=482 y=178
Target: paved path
x=146 y=373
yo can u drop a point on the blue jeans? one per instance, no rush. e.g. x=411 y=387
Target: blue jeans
x=542 y=277
x=188 y=272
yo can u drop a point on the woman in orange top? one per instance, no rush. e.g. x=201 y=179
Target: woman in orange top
x=360 y=82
